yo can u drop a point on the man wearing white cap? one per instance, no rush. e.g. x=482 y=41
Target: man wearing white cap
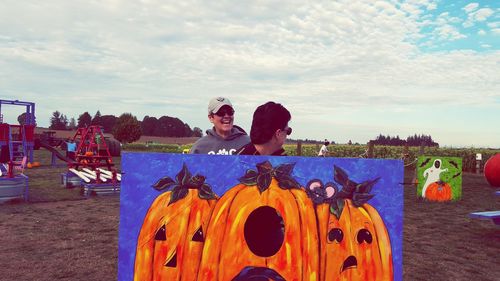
x=224 y=138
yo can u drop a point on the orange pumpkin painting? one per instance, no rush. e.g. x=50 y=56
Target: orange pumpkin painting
x=171 y=239
x=438 y=191
x=354 y=241
x=262 y=229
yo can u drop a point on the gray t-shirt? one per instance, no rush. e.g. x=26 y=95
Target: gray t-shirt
x=212 y=143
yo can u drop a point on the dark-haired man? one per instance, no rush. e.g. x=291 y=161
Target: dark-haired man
x=224 y=138
x=269 y=130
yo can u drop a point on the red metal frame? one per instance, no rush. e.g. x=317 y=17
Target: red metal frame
x=86 y=139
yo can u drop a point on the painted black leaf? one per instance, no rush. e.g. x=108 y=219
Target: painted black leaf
x=177 y=194
x=359 y=199
x=184 y=175
x=250 y=178
x=287 y=182
x=206 y=192
x=284 y=169
x=164 y=183
x=339 y=175
x=196 y=181
x=366 y=186
x=263 y=181
x=264 y=167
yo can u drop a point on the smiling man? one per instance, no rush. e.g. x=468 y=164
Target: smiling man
x=224 y=138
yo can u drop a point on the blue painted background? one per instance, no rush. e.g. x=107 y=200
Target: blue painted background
x=142 y=170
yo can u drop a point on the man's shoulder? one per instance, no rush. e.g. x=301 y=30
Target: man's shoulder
x=247 y=149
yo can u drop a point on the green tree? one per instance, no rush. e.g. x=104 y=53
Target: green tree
x=149 y=125
x=72 y=124
x=84 y=120
x=127 y=129
x=97 y=120
x=108 y=122
x=58 y=121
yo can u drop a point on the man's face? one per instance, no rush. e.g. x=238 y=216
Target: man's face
x=222 y=119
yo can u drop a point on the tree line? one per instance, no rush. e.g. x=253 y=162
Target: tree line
x=415 y=140
x=126 y=127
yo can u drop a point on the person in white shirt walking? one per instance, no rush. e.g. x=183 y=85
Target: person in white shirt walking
x=323 y=152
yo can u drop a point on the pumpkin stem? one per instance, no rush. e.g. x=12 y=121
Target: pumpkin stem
x=184 y=181
x=359 y=194
x=265 y=172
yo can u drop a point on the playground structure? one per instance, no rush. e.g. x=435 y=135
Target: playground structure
x=17 y=143
x=85 y=166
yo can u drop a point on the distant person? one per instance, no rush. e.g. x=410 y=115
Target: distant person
x=269 y=131
x=71 y=149
x=323 y=151
x=224 y=138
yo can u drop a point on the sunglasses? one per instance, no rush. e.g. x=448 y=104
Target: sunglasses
x=224 y=111
x=288 y=131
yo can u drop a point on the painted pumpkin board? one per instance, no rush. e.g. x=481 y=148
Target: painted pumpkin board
x=439 y=178
x=211 y=217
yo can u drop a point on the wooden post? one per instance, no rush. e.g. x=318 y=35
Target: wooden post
x=406 y=151
x=299 y=148
x=370 y=150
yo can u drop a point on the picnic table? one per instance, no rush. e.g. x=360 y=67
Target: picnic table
x=493 y=215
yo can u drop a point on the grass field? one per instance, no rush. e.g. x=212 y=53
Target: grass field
x=60 y=235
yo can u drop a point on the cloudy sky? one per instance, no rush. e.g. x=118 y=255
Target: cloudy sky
x=346 y=70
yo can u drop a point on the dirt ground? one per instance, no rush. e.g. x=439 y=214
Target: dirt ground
x=78 y=240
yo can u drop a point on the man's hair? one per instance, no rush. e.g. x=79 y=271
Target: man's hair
x=268 y=118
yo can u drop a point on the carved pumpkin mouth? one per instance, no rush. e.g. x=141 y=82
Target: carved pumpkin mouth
x=252 y=273
x=350 y=262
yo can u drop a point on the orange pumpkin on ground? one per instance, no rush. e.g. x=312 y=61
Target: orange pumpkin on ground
x=171 y=239
x=266 y=227
x=354 y=242
x=439 y=191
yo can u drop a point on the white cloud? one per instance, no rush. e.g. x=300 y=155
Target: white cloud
x=339 y=59
x=478 y=16
x=470 y=7
x=486 y=46
x=481 y=32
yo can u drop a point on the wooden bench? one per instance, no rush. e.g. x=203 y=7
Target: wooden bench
x=493 y=215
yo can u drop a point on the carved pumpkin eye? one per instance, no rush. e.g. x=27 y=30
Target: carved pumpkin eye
x=198 y=235
x=364 y=235
x=335 y=234
x=264 y=231
x=161 y=234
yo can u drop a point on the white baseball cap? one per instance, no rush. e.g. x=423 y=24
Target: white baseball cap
x=216 y=103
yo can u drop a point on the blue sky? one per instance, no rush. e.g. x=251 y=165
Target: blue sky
x=346 y=70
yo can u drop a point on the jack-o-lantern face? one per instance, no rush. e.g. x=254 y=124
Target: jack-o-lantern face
x=354 y=242
x=263 y=228
x=171 y=239
x=356 y=246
